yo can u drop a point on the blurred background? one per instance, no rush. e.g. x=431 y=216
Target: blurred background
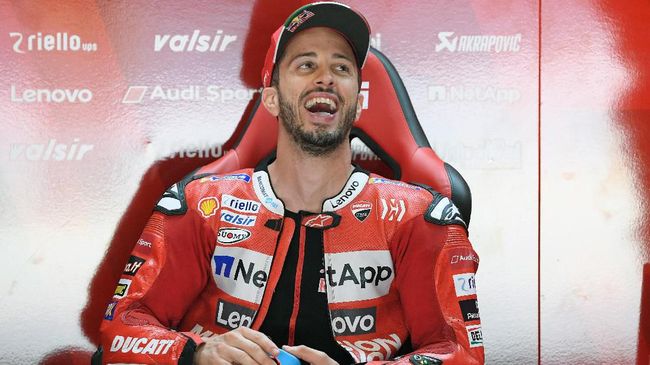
x=103 y=104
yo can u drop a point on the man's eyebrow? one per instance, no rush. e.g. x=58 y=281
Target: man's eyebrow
x=341 y=55
x=304 y=54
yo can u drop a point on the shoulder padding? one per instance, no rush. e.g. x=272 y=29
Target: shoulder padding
x=442 y=210
x=173 y=200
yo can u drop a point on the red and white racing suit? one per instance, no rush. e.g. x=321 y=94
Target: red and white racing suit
x=398 y=264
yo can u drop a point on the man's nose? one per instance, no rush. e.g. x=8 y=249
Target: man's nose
x=324 y=77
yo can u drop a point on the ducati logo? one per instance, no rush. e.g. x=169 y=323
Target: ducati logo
x=361 y=210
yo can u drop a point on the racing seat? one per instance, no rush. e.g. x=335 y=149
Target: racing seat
x=388 y=127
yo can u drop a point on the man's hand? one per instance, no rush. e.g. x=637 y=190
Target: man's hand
x=242 y=346
x=314 y=357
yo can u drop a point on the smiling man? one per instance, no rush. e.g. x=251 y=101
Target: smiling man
x=306 y=251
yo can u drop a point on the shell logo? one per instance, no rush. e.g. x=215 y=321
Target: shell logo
x=208 y=206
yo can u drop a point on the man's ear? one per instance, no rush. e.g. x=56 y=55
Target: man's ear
x=271 y=100
x=359 y=106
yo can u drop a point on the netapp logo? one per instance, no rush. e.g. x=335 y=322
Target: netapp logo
x=478 y=43
x=359 y=275
x=473 y=93
x=354 y=321
x=240 y=272
x=140 y=345
x=196 y=42
x=59 y=96
x=133 y=265
x=59 y=42
x=233 y=316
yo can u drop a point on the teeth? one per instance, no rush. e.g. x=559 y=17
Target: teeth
x=312 y=102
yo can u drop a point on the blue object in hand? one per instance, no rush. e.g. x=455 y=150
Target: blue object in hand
x=285 y=358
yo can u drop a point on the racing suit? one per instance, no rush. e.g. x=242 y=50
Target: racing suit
x=397 y=264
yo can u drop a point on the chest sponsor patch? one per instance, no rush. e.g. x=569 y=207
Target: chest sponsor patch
x=357 y=321
x=122 y=288
x=239 y=204
x=240 y=272
x=233 y=316
x=361 y=210
x=231 y=236
x=238 y=219
x=208 y=206
x=358 y=275
x=465 y=284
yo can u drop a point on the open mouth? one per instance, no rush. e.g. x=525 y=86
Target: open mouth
x=322 y=106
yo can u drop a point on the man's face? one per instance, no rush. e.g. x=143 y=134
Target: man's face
x=318 y=91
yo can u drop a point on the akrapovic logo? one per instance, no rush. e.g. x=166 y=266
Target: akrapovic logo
x=451 y=42
x=240 y=272
x=353 y=321
x=57 y=42
x=195 y=42
x=359 y=275
x=233 y=316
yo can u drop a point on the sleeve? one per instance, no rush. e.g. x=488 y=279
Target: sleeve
x=167 y=270
x=435 y=268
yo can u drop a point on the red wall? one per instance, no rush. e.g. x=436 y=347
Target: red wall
x=551 y=128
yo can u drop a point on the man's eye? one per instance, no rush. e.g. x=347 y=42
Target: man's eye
x=306 y=66
x=343 y=68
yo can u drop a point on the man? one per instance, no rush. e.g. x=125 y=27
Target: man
x=231 y=267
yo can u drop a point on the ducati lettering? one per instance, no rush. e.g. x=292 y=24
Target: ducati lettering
x=133 y=265
x=233 y=316
x=375 y=349
x=353 y=321
x=140 y=345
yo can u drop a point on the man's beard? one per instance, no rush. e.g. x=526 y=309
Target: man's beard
x=319 y=142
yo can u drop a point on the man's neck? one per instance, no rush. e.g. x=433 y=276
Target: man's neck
x=304 y=181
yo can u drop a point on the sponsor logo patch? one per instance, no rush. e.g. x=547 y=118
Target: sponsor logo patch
x=196 y=42
x=122 y=288
x=372 y=349
x=232 y=177
x=144 y=243
x=361 y=210
x=110 y=310
x=470 y=310
x=233 y=316
x=353 y=321
x=238 y=204
x=134 y=264
x=465 y=284
x=230 y=235
x=240 y=272
x=392 y=209
x=319 y=221
x=475 y=336
x=359 y=275
x=208 y=206
x=140 y=345
x=238 y=219
x=459 y=259
x=299 y=19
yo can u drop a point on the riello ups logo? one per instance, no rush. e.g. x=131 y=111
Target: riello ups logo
x=50 y=42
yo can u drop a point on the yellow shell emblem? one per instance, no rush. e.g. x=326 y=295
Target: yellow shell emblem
x=208 y=206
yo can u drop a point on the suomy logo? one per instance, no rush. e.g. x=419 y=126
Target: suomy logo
x=59 y=42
